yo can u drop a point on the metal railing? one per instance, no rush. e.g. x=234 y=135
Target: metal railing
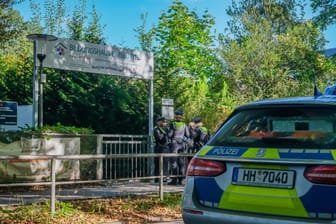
x=133 y=161
x=116 y=168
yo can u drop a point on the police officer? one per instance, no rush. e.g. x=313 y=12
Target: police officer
x=200 y=135
x=193 y=134
x=179 y=136
x=161 y=145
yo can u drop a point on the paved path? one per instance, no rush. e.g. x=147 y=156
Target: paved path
x=81 y=192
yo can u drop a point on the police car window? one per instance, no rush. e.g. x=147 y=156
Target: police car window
x=285 y=127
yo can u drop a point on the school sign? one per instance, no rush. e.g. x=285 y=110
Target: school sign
x=95 y=58
x=82 y=56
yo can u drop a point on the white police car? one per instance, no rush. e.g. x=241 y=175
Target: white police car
x=272 y=161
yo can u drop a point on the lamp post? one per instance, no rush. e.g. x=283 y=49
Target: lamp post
x=40 y=51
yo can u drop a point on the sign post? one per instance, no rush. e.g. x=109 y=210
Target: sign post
x=92 y=58
x=99 y=59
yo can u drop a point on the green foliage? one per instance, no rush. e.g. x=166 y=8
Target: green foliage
x=29 y=132
x=185 y=60
x=8 y=30
x=145 y=37
x=281 y=16
x=12 y=136
x=133 y=209
x=63 y=208
x=36 y=213
x=58 y=128
x=171 y=200
x=268 y=51
x=267 y=62
x=16 y=63
x=94 y=31
x=76 y=24
x=107 y=104
x=326 y=12
x=54 y=16
x=15 y=78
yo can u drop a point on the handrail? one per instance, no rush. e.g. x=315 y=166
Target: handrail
x=53 y=159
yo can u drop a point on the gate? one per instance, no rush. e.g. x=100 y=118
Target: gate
x=125 y=168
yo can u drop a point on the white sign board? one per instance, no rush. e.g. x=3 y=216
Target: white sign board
x=167 y=102
x=94 y=58
x=167 y=108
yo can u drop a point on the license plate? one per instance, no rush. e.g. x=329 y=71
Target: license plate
x=263 y=177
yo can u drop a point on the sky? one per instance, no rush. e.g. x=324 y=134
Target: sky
x=121 y=17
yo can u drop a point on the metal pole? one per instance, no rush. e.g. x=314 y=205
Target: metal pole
x=35 y=90
x=150 y=128
x=41 y=96
x=151 y=111
x=53 y=186
x=99 y=171
x=161 y=177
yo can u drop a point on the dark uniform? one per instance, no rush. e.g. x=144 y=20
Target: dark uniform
x=161 y=145
x=179 y=136
x=200 y=134
x=193 y=135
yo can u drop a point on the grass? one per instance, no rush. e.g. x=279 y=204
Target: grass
x=131 y=209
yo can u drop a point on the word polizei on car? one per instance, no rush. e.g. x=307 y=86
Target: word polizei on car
x=271 y=162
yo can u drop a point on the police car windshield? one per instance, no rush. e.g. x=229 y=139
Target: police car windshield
x=279 y=127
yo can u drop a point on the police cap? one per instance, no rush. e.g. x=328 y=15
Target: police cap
x=178 y=112
x=197 y=120
x=161 y=119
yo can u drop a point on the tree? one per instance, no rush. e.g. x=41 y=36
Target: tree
x=281 y=15
x=268 y=61
x=16 y=60
x=185 y=59
x=327 y=12
x=54 y=16
x=76 y=23
x=94 y=31
x=145 y=37
x=8 y=30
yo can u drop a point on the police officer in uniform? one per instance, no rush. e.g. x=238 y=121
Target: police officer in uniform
x=179 y=136
x=161 y=145
x=200 y=135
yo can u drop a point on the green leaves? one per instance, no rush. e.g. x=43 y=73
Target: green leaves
x=268 y=50
x=327 y=12
x=267 y=61
x=185 y=60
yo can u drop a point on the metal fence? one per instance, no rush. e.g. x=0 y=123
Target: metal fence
x=53 y=159
x=115 y=158
x=117 y=168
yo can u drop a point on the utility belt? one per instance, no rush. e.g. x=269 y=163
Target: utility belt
x=161 y=145
x=178 y=140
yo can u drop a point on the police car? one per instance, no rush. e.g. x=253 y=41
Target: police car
x=271 y=162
